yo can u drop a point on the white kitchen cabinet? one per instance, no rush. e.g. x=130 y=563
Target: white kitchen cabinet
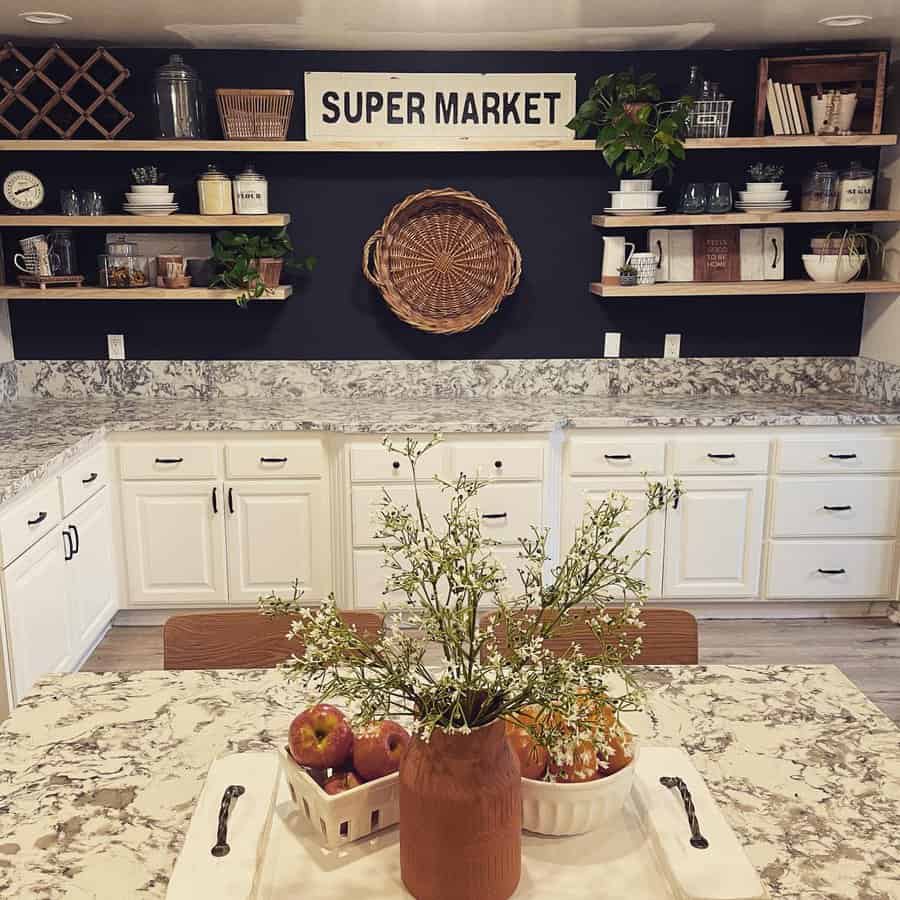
x=581 y=493
x=714 y=538
x=277 y=531
x=174 y=535
x=37 y=616
x=91 y=593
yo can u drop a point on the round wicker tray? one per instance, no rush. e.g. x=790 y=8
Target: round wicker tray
x=443 y=260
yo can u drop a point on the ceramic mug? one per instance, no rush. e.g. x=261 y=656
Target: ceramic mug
x=36 y=258
x=645 y=263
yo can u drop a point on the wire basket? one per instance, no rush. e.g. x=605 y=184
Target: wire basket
x=443 y=261
x=707 y=119
x=256 y=115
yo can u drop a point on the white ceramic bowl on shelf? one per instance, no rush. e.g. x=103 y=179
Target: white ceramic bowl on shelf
x=150 y=188
x=552 y=808
x=635 y=199
x=764 y=187
x=832 y=268
x=763 y=196
x=635 y=185
x=160 y=199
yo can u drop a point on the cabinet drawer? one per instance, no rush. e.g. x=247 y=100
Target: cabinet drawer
x=26 y=521
x=499 y=462
x=509 y=510
x=835 y=507
x=366 y=501
x=271 y=459
x=168 y=461
x=839 y=454
x=589 y=456
x=830 y=569
x=372 y=462
x=84 y=479
x=715 y=453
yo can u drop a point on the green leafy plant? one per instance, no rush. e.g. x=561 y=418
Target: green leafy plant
x=856 y=245
x=760 y=172
x=627 y=269
x=236 y=254
x=636 y=136
x=448 y=574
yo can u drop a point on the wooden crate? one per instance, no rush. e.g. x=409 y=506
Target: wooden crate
x=863 y=73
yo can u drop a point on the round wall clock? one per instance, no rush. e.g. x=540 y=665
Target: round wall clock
x=23 y=191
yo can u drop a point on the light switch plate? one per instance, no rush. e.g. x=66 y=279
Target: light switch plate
x=116 y=346
x=672 y=346
x=612 y=341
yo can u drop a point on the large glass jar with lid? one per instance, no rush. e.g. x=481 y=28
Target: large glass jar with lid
x=214 y=193
x=179 y=101
x=820 y=189
x=251 y=193
x=855 y=188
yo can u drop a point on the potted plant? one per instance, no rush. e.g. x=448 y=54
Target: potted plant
x=460 y=791
x=765 y=178
x=251 y=264
x=635 y=136
x=628 y=275
x=842 y=256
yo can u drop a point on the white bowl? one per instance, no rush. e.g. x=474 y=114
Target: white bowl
x=635 y=199
x=766 y=187
x=635 y=185
x=150 y=199
x=150 y=188
x=763 y=197
x=832 y=268
x=553 y=808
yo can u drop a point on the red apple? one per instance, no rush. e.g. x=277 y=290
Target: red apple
x=341 y=780
x=321 y=737
x=378 y=749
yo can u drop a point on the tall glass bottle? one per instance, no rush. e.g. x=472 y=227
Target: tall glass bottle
x=179 y=101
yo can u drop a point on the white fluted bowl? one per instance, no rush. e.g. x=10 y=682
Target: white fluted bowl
x=558 y=809
x=832 y=268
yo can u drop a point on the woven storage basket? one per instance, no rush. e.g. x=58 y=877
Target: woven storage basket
x=254 y=114
x=443 y=260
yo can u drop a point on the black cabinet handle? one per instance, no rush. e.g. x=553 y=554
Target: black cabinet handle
x=775 y=253
x=232 y=792
x=169 y=461
x=842 y=456
x=67 y=546
x=231 y=500
x=721 y=455
x=273 y=459
x=93 y=477
x=215 y=501
x=617 y=456
x=832 y=571
x=698 y=841
x=76 y=545
x=493 y=515
x=498 y=463
x=838 y=508
x=396 y=464
x=40 y=518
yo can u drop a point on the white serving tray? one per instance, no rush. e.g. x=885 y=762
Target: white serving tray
x=643 y=855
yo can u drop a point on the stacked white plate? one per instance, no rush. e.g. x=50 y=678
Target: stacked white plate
x=760 y=201
x=634 y=202
x=150 y=200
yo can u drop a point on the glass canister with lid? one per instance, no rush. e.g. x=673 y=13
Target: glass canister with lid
x=214 y=193
x=855 y=187
x=179 y=101
x=251 y=193
x=820 y=189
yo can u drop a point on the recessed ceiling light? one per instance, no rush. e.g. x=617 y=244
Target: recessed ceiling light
x=844 y=21
x=40 y=17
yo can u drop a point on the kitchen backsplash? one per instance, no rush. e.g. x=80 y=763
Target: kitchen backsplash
x=8 y=382
x=453 y=379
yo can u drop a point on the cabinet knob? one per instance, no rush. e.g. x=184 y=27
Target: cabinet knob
x=395 y=464
x=498 y=463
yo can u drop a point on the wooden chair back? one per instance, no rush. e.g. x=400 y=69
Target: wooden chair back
x=240 y=640
x=669 y=638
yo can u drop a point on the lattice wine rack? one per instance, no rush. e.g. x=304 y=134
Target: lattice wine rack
x=60 y=93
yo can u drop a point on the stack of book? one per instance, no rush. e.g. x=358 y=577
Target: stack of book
x=787 y=109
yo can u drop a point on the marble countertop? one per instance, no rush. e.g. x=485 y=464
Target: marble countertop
x=38 y=437
x=101 y=772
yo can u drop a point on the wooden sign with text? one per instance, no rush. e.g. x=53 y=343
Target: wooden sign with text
x=717 y=253
x=367 y=106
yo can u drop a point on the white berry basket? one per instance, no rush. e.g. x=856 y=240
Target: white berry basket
x=559 y=809
x=348 y=816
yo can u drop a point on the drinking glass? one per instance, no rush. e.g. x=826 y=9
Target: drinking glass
x=90 y=203
x=718 y=197
x=68 y=202
x=693 y=198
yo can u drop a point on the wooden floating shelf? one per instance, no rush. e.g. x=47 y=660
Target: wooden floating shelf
x=457 y=145
x=743 y=288
x=763 y=218
x=127 y=221
x=90 y=292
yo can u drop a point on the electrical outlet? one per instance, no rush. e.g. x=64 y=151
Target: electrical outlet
x=612 y=342
x=115 y=344
x=672 y=346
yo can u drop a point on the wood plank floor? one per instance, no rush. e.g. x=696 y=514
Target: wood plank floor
x=867 y=650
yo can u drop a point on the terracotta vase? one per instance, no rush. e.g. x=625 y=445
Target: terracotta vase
x=269 y=270
x=461 y=816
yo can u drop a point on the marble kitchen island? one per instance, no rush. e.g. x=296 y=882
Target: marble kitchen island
x=101 y=772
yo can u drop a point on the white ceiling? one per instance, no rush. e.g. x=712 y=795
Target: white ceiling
x=453 y=24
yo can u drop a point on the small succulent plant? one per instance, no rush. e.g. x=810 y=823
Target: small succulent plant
x=765 y=172
x=148 y=175
x=627 y=269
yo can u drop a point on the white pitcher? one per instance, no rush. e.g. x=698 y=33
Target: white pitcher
x=614 y=257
